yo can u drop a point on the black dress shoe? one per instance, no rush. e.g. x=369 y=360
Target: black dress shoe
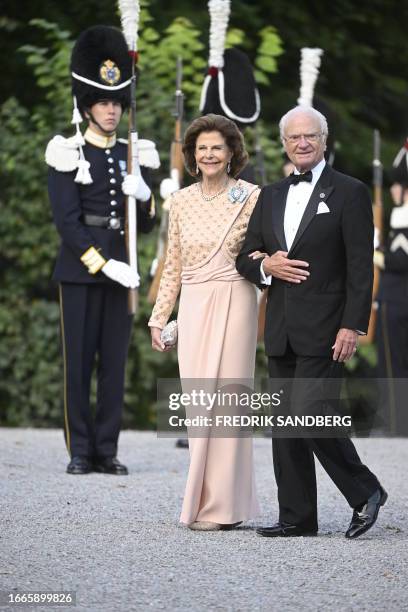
x=365 y=515
x=284 y=530
x=79 y=465
x=182 y=443
x=110 y=465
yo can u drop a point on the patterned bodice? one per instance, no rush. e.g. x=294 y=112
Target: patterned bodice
x=197 y=229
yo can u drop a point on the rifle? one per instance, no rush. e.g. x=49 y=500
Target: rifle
x=379 y=225
x=176 y=153
x=131 y=214
x=377 y=183
x=176 y=171
x=130 y=11
x=260 y=157
x=261 y=172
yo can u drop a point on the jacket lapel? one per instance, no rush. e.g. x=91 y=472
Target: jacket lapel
x=320 y=193
x=278 y=212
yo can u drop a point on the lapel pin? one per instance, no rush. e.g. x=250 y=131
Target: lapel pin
x=322 y=195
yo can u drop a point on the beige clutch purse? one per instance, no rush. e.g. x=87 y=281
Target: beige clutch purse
x=169 y=334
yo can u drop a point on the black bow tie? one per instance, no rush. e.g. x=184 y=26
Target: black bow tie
x=295 y=179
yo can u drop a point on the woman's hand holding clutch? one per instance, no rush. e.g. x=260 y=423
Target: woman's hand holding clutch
x=157 y=343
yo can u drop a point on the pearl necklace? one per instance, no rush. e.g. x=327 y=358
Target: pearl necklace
x=216 y=195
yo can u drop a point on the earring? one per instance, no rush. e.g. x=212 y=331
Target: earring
x=197 y=169
x=228 y=167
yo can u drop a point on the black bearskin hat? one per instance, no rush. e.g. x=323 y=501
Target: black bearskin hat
x=231 y=91
x=101 y=67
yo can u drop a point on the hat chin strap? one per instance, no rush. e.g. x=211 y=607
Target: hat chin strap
x=399 y=156
x=221 y=90
x=228 y=111
x=204 y=92
x=99 y=125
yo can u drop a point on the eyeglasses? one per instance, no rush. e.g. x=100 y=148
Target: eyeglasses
x=295 y=138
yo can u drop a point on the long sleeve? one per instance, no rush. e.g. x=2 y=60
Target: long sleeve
x=247 y=267
x=397 y=260
x=146 y=213
x=358 y=232
x=396 y=253
x=171 y=278
x=67 y=211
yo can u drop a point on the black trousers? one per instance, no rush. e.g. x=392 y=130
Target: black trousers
x=392 y=344
x=95 y=330
x=293 y=458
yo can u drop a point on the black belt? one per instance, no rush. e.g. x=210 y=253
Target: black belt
x=113 y=223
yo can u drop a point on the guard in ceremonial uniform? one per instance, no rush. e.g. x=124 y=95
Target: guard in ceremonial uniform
x=87 y=185
x=392 y=298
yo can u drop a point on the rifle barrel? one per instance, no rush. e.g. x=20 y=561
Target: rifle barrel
x=179 y=96
x=377 y=165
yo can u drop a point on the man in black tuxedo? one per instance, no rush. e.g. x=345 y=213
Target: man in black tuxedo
x=316 y=227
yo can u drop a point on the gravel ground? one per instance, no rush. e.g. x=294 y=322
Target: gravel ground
x=117 y=543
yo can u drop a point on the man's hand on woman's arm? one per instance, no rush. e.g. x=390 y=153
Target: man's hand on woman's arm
x=291 y=270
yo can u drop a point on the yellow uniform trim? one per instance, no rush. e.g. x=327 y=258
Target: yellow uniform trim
x=103 y=142
x=93 y=260
x=64 y=359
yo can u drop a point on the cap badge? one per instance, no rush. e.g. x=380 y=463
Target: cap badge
x=109 y=72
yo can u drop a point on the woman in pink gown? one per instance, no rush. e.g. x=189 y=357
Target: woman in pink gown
x=217 y=316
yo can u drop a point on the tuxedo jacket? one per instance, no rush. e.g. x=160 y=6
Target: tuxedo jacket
x=337 y=244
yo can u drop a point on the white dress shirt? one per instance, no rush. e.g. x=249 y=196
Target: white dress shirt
x=296 y=202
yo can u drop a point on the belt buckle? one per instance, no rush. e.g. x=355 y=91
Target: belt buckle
x=114 y=223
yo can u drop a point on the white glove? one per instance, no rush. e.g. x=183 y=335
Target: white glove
x=133 y=185
x=121 y=272
x=379 y=259
x=170 y=185
x=154 y=267
x=376 y=238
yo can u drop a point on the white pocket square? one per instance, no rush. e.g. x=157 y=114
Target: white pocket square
x=322 y=208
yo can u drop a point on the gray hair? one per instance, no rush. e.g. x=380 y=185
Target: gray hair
x=306 y=110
